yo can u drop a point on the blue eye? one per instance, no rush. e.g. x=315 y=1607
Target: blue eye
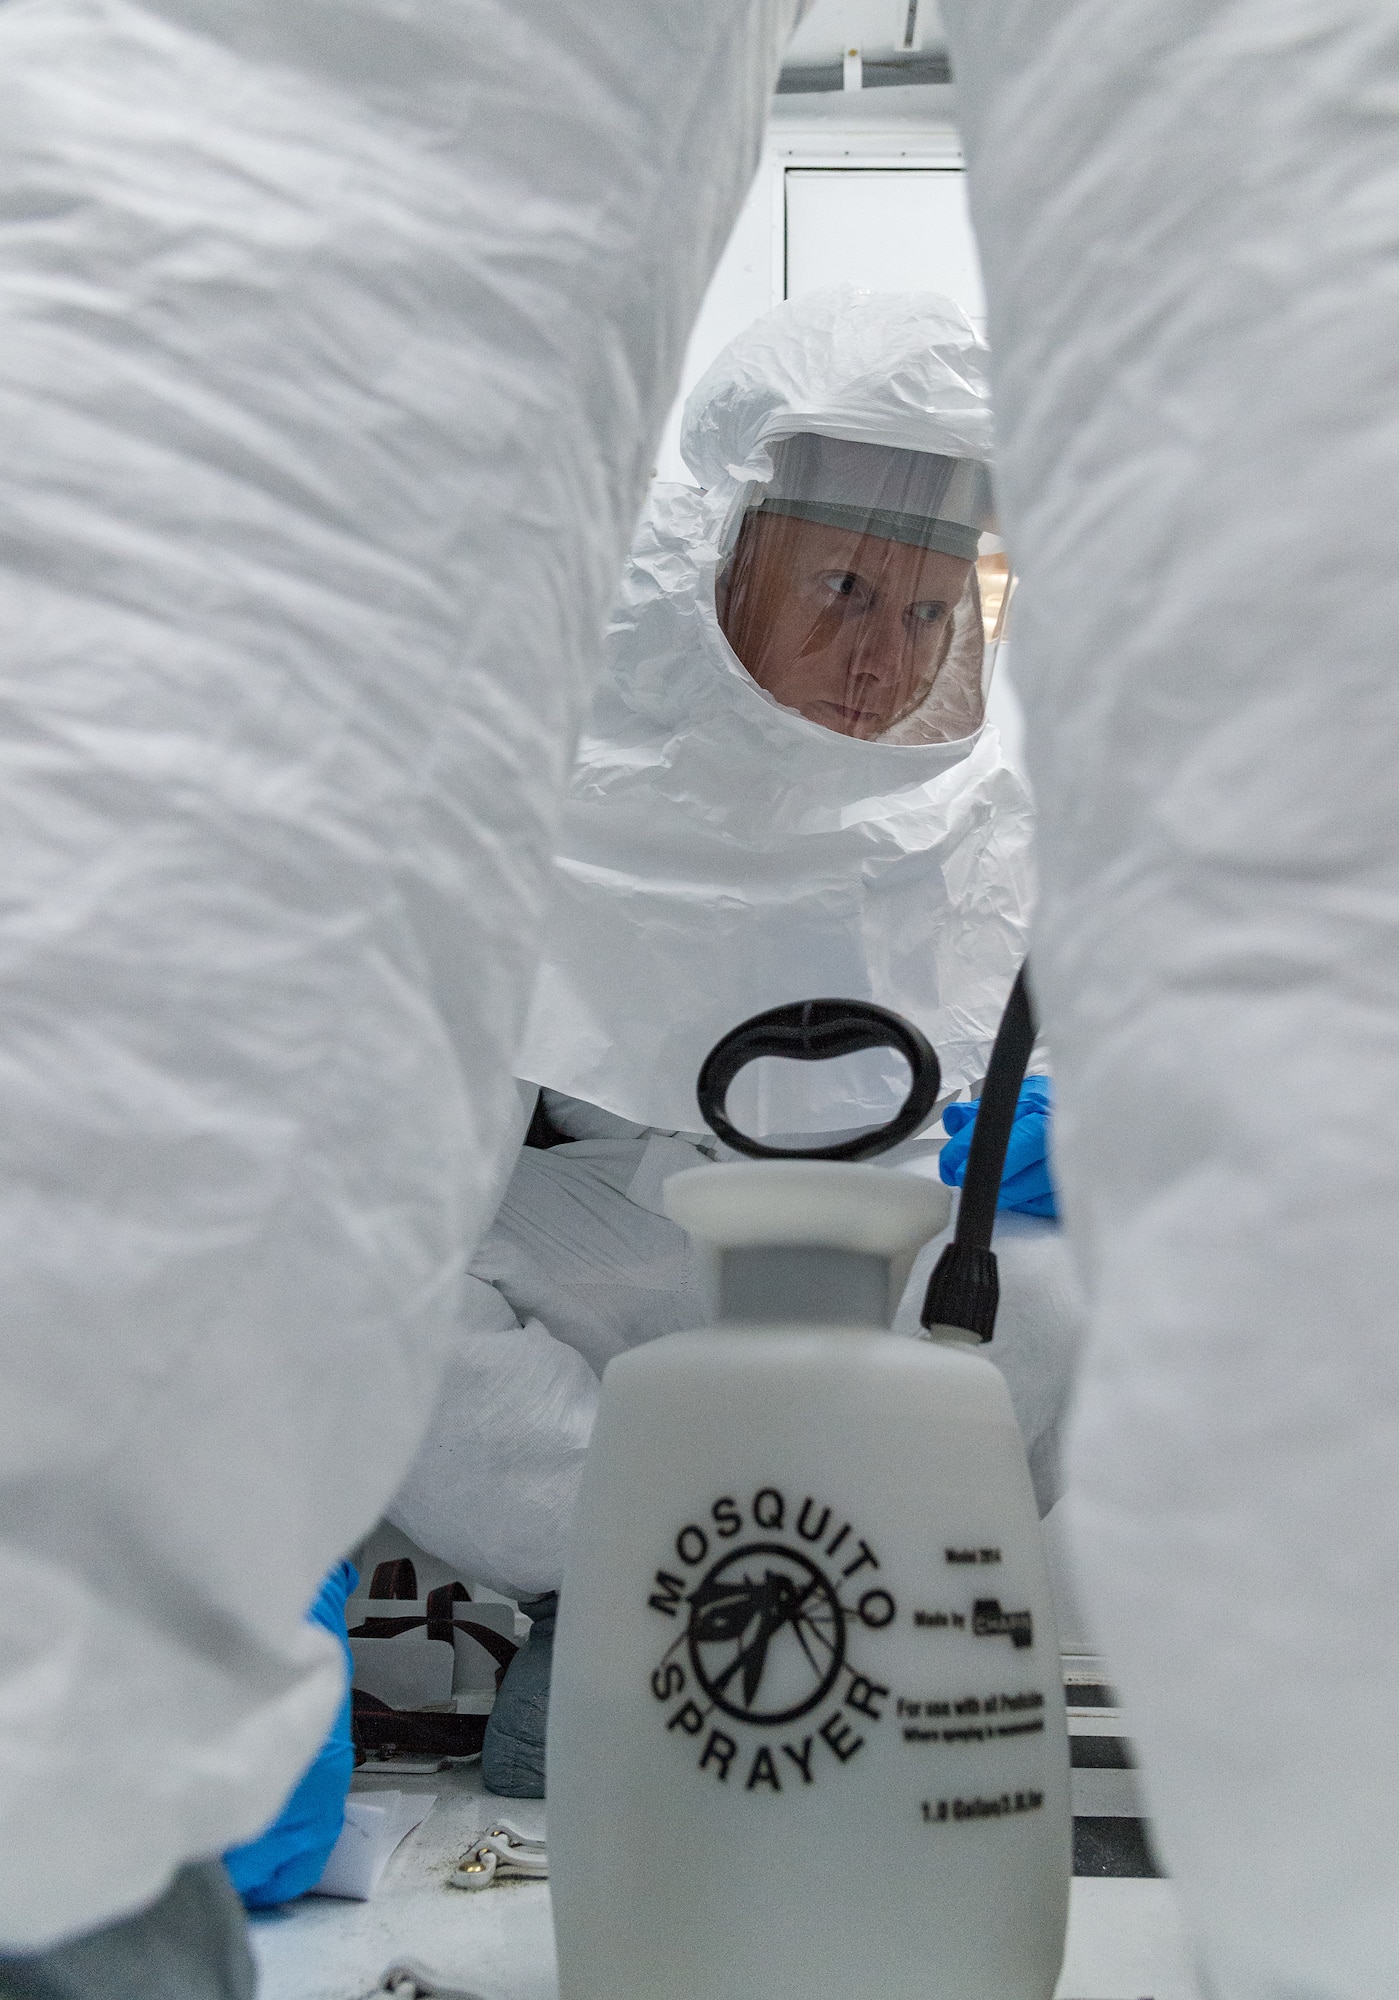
x=930 y=613
x=845 y=583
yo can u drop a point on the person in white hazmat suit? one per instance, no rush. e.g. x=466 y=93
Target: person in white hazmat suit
x=1187 y=219
x=786 y=789
x=337 y=340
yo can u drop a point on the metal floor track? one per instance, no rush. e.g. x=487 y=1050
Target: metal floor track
x=1111 y=1835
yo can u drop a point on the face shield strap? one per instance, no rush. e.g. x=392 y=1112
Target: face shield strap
x=949 y=538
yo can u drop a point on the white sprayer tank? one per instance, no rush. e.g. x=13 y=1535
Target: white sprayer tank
x=807 y=1735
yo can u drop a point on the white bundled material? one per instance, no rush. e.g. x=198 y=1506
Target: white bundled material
x=336 y=341
x=1187 y=221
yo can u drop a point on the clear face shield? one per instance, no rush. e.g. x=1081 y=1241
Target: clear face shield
x=852 y=593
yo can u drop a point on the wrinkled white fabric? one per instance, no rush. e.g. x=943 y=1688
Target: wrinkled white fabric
x=583 y=1264
x=492 y=1489
x=337 y=334
x=896 y=368
x=1040 y=1324
x=719 y=853
x=1187 y=218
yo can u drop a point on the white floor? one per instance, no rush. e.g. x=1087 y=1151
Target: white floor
x=1125 y=1940
x=1125 y=1943
x=498 y=1942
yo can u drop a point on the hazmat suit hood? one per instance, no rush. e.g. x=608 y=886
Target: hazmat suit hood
x=720 y=853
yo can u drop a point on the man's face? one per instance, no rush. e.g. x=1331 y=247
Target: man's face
x=848 y=629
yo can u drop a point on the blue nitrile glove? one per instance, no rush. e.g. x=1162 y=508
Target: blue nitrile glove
x=290 y=1857
x=1025 y=1182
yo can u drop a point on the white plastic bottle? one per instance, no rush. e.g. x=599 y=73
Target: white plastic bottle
x=807 y=1735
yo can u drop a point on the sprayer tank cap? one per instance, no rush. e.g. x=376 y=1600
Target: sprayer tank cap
x=752 y=1204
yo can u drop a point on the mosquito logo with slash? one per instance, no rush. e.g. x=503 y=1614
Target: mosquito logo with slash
x=763 y=1636
x=766 y=1607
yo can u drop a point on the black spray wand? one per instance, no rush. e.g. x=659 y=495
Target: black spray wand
x=964 y=1291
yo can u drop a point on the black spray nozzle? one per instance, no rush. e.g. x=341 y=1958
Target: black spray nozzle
x=964 y=1290
x=818 y=1031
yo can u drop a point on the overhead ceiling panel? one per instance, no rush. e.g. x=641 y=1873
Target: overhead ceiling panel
x=900 y=42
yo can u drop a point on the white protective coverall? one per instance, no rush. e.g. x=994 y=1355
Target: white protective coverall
x=336 y=341
x=721 y=854
x=1188 y=218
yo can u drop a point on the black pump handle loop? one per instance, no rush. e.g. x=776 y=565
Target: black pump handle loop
x=819 y=1031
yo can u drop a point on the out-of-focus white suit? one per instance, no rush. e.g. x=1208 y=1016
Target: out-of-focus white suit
x=1189 y=221
x=336 y=338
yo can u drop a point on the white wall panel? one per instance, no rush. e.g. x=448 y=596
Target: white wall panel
x=886 y=229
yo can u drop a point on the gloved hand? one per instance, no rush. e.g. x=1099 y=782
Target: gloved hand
x=1025 y=1182
x=289 y=1858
